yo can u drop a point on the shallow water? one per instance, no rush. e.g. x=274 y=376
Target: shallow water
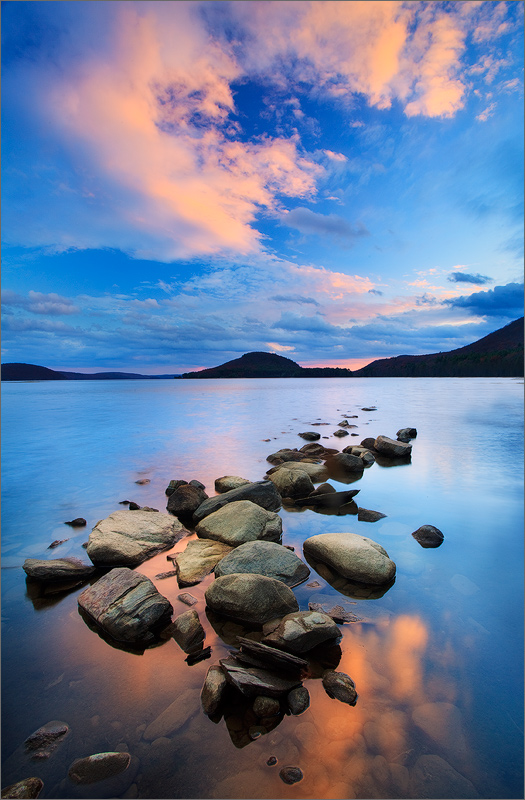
x=438 y=661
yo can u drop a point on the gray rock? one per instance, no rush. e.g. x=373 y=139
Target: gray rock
x=252 y=681
x=292 y=482
x=262 y=493
x=265 y=558
x=239 y=522
x=310 y=436
x=346 y=462
x=293 y=454
x=250 y=598
x=298 y=700
x=364 y=453
x=369 y=443
x=198 y=560
x=367 y=515
x=44 y=741
x=174 y=485
x=57 y=569
x=392 y=448
x=340 y=433
x=261 y=655
x=187 y=598
x=213 y=689
x=428 y=536
x=266 y=706
x=355 y=557
x=185 y=500
x=340 y=686
x=125 y=604
x=187 y=631
x=317 y=450
x=300 y=631
x=323 y=488
x=433 y=777
x=331 y=499
x=127 y=538
x=197 y=484
x=27 y=788
x=317 y=472
x=229 y=482
x=98 y=767
x=406 y=434
x=291 y=775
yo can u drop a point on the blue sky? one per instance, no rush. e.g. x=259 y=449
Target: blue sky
x=184 y=182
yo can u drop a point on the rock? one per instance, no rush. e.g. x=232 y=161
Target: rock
x=98 y=767
x=213 y=689
x=265 y=558
x=185 y=500
x=367 y=515
x=428 y=536
x=57 y=569
x=340 y=433
x=229 y=482
x=125 y=604
x=266 y=706
x=317 y=472
x=291 y=775
x=143 y=481
x=272 y=761
x=134 y=506
x=28 y=788
x=187 y=598
x=364 y=453
x=337 y=613
x=310 y=436
x=331 y=499
x=79 y=522
x=292 y=482
x=432 y=777
x=252 y=681
x=355 y=557
x=239 y=522
x=44 y=741
x=198 y=655
x=198 y=560
x=300 y=631
x=174 y=716
x=163 y=575
x=345 y=424
x=250 y=598
x=346 y=462
x=370 y=408
x=442 y=722
x=392 y=448
x=369 y=443
x=187 y=631
x=323 y=488
x=262 y=493
x=148 y=508
x=340 y=686
x=127 y=539
x=298 y=700
x=197 y=484
x=316 y=450
x=261 y=655
x=293 y=454
x=405 y=434
x=174 y=485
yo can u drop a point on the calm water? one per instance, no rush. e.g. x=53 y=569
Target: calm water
x=445 y=643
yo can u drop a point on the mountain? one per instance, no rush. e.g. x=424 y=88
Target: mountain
x=32 y=372
x=266 y=365
x=498 y=355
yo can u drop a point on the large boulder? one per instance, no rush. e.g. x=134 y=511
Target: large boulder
x=355 y=557
x=264 y=558
x=262 y=493
x=57 y=569
x=292 y=482
x=250 y=598
x=229 y=482
x=240 y=522
x=127 y=538
x=198 y=560
x=300 y=631
x=317 y=472
x=126 y=605
x=185 y=499
x=392 y=448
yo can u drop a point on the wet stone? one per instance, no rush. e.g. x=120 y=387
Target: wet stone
x=291 y=775
x=367 y=515
x=428 y=536
x=98 y=767
x=79 y=522
x=213 y=689
x=266 y=706
x=310 y=436
x=162 y=575
x=42 y=742
x=340 y=686
x=298 y=700
x=27 y=788
x=187 y=598
x=272 y=761
x=56 y=543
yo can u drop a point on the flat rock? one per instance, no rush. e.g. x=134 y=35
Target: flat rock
x=293 y=454
x=433 y=777
x=239 y=522
x=262 y=493
x=252 y=681
x=331 y=499
x=428 y=536
x=174 y=716
x=261 y=655
x=125 y=604
x=346 y=462
x=265 y=558
x=127 y=538
x=27 y=788
x=42 y=742
x=186 y=499
x=57 y=569
x=392 y=448
x=355 y=557
x=187 y=598
x=292 y=482
x=340 y=686
x=98 y=767
x=198 y=560
x=317 y=450
x=298 y=700
x=367 y=515
x=229 y=482
x=187 y=631
x=300 y=631
x=317 y=472
x=250 y=598
x=213 y=689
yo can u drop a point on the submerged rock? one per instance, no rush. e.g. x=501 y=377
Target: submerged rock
x=187 y=631
x=44 y=741
x=432 y=776
x=57 y=569
x=392 y=448
x=229 y=482
x=126 y=539
x=428 y=536
x=174 y=716
x=198 y=560
x=98 y=767
x=27 y=788
x=340 y=686
x=262 y=493
x=250 y=598
x=367 y=515
x=265 y=558
x=300 y=631
x=239 y=522
x=125 y=604
x=355 y=557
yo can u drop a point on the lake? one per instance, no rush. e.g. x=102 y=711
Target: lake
x=437 y=660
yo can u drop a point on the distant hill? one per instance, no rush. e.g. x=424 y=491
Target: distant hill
x=32 y=372
x=266 y=365
x=498 y=355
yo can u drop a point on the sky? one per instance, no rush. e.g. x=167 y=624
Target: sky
x=185 y=182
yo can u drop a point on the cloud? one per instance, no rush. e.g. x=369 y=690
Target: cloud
x=310 y=222
x=502 y=301
x=465 y=277
x=291 y=298
x=375 y=291
x=38 y=303
x=488 y=112
x=280 y=348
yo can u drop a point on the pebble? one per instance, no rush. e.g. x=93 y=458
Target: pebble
x=272 y=761
x=187 y=598
x=291 y=775
x=142 y=481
